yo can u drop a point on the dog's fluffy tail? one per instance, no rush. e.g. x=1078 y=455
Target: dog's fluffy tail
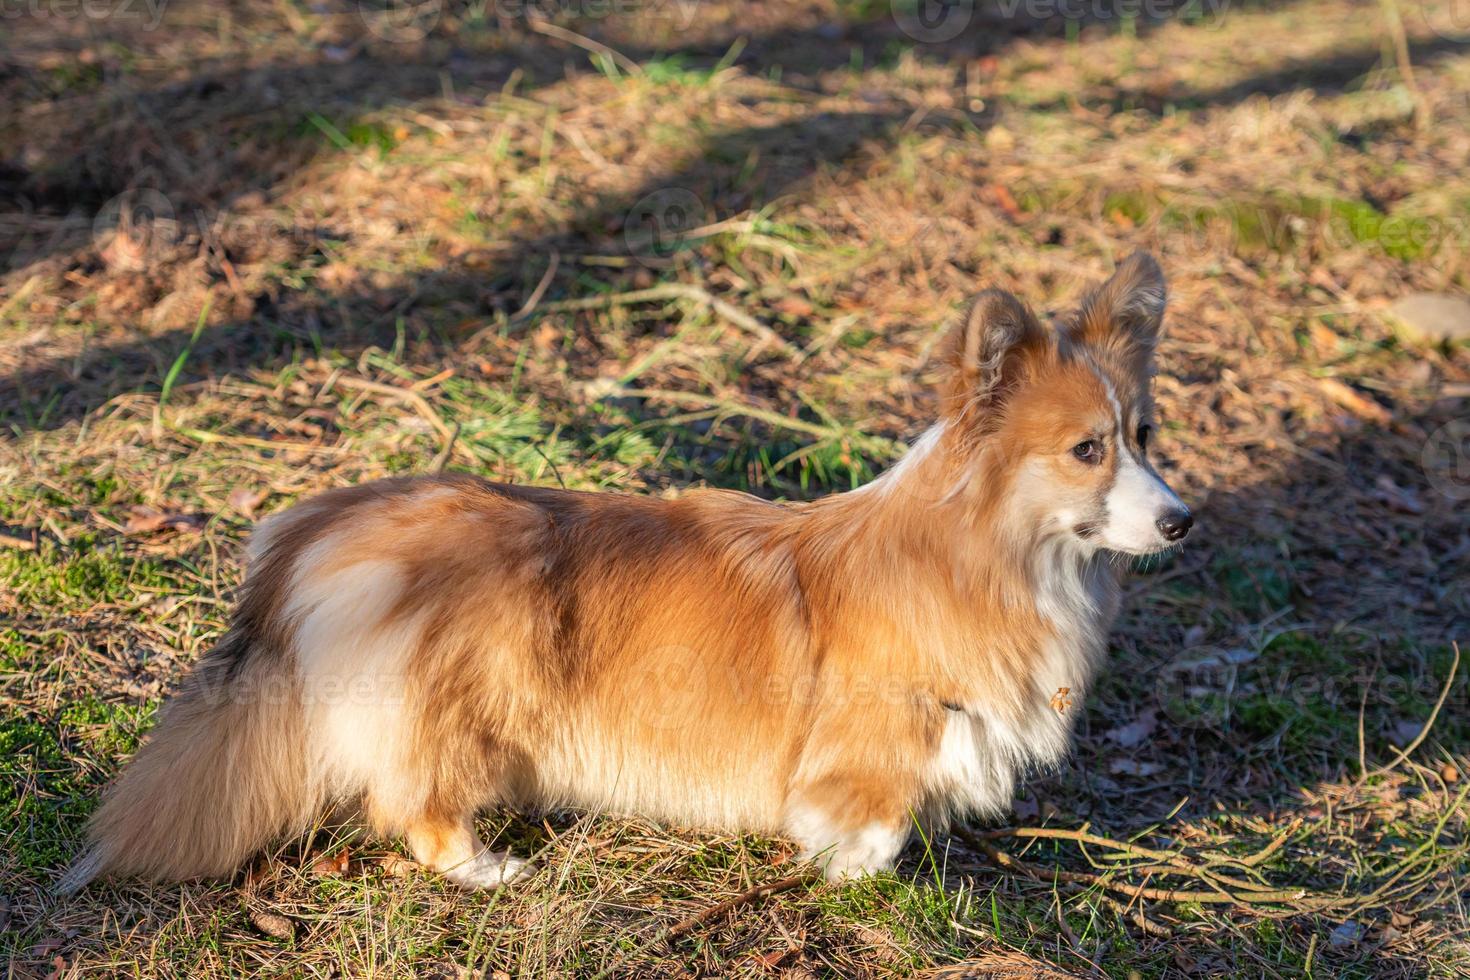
x=223 y=774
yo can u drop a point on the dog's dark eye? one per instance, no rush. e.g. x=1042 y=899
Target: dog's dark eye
x=1089 y=451
x=1143 y=433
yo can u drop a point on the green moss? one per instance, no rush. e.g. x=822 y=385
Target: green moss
x=84 y=573
x=14 y=652
x=1278 y=223
x=46 y=790
x=1134 y=206
x=915 y=913
x=1253 y=585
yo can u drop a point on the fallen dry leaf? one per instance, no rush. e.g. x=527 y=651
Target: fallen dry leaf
x=1132 y=767
x=396 y=865
x=1003 y=199
x=1136 y=731
x=331 y=864
x=45 y=948
x=795 y=306
x=1405 y=730
x=243 y=501
x=273 y=924
x=773 y=959
x=1346 y=935
x=146 y=520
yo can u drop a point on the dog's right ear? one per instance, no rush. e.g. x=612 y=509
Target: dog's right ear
x=985 y=354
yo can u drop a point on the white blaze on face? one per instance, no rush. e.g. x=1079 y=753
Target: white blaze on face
x=1136 y=502
x=1138 y=499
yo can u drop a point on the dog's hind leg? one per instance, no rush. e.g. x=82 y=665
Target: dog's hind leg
x=450 y=846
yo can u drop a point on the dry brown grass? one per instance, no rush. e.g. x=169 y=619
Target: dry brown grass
x=385 y=257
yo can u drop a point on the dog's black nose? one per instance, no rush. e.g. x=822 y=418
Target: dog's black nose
x=1175 y=524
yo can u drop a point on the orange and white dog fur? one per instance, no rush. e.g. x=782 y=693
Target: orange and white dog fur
x=831 y=671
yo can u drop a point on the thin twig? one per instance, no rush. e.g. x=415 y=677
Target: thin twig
x=209 y=438
x=685 y=926
x=554 y=471
x=756 y=894
x=774 y=419
x=1362 y=713
x=412 y=398
x=1136 y=916
x=542 y=26
x=1273 y=847
x=673 y=290
x=1405 y=64
x=1079 y=836
x=540 y=290
x=16 y=542
x=1408 y=750
x=441 y=458
x=1217 y=896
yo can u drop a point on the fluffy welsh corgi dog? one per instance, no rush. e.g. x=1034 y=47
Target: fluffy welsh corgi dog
x=831 y=671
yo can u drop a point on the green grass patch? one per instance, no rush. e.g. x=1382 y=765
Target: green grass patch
x=45 y=795
x=87 y=571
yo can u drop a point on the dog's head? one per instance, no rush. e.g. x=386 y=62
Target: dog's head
x=1063 y=415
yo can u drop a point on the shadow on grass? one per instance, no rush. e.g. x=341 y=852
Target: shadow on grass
x=220 y=137
x=721 y=183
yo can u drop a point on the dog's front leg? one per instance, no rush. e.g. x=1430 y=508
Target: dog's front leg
x=849 y=824
x=450 y=846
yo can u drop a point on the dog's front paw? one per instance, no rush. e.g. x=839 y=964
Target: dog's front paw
x=488 y=870
x=864 y=852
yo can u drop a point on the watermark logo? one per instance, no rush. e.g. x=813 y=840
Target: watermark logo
x=401 y=21
x=933 y=21
x=662 y=223
x=669 y=690
x=1446 y=459
x=1449 y=19
x=1195 y=689
x=135 y=228
x=150 y=12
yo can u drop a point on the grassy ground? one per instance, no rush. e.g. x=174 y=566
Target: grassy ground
x=269 y=248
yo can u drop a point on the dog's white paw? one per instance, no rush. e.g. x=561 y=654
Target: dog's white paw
x=865 y=852
x=489 y=869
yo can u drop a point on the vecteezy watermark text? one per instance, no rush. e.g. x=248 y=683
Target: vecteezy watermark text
x=150 y=12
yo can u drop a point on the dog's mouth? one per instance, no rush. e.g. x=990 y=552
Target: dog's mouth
x=1162 y=548
x=1092 y=532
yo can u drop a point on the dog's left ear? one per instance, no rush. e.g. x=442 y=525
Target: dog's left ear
x=1125 y=312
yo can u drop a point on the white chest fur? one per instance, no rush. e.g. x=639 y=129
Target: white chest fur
x=985 y=744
